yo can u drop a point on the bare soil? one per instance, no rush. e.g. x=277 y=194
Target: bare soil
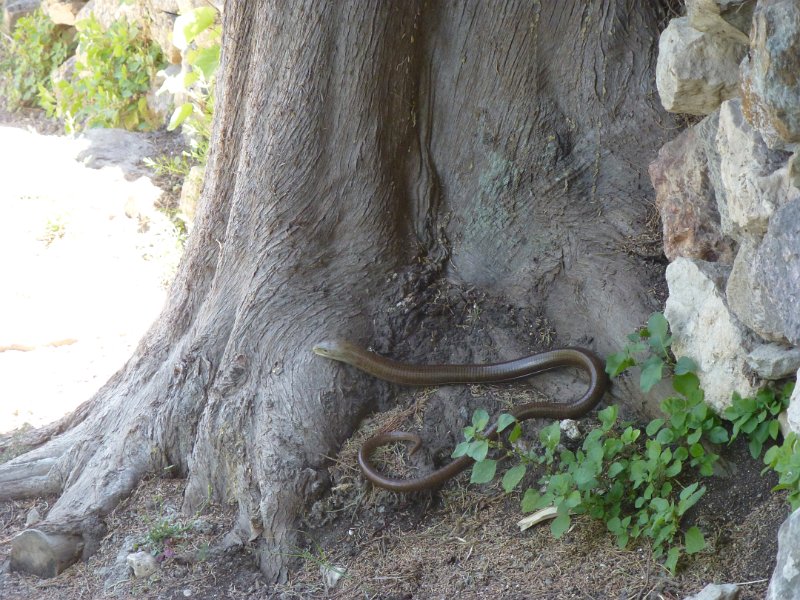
x=460 y=542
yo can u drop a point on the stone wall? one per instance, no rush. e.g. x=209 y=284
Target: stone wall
x=727 y=191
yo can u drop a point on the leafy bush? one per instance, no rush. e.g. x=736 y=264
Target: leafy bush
x=112 y=76
x=36 y=47
x=640 y=481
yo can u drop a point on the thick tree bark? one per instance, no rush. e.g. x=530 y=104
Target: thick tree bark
x=367 y=159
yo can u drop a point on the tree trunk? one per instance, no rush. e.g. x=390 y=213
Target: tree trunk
x=384 y=172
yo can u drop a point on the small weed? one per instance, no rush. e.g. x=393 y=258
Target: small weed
x=54 y=229
x=170 y=165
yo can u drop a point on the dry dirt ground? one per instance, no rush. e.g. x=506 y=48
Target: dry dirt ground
x=79 y=275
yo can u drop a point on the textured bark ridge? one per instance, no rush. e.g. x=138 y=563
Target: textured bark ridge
x=365 y=156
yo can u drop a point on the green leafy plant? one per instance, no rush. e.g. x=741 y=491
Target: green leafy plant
x=640 y=482
x=113 y=74
x=617 y=475
x=784 y=459
x=757 y=417
x=196 y=114
x=649 y=349
x=37 y=46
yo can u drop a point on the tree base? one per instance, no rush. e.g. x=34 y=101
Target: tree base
x=44 y=555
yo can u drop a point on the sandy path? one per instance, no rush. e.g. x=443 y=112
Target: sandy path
x=74 y=271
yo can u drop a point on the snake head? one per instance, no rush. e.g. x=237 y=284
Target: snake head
x=325 y=348
x=336 y=350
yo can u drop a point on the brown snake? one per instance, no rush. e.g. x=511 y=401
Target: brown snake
x=408 y=374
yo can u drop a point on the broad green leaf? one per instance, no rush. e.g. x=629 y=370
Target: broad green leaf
x=654 y=426
x=512 y=477
x=608 y=416
x=504 y=421
x=478 y=450
x=658 y=326
x=573 y=500
x=694 y=541
x=685 y=365
x=614 y=524
x=187 y=27
x=618 y=362
x=672 y=559
x=673 y=469
x=480 y=418
x=774 y=429
x=685 y=384
x=651 y=373
x=207 y=60
x=460 y=450
x=530 y=500
x=559 y=525
x=665 y=436
x=483 y=471
x=180 y=115
x=515 y=434
x=615 y=469
x=718 y=435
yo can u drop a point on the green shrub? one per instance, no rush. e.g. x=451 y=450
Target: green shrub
x=113 y=74
x=640 y=482
x=36 y=47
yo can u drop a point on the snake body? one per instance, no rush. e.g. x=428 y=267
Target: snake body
x=426 y=375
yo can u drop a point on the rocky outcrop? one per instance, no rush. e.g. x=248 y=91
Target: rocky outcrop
x=696 y=71
x=63 y=12
x=727 y=19
x=749 y=299
x=704 y=329
x=769 y=74
x=774 y=361
x=686 y=200
x=779 y=265
x=785 y=581
x=754 y=177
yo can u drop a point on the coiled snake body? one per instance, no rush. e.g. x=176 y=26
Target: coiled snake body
x=425 y=375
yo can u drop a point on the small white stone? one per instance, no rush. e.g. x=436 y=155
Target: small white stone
x=143 y=564
x=570 y=429
x=331 y=575
x=34 y=516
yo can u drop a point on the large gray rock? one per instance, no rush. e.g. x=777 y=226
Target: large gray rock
x=747 y=297
x=686 y=200
x=774 y=361
x=117 y=148
x=696 y=71
x=731 y=20
x=703 y=328
x=754 y=178
x=779 y=265
x=785 y=582
x=769 y=74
